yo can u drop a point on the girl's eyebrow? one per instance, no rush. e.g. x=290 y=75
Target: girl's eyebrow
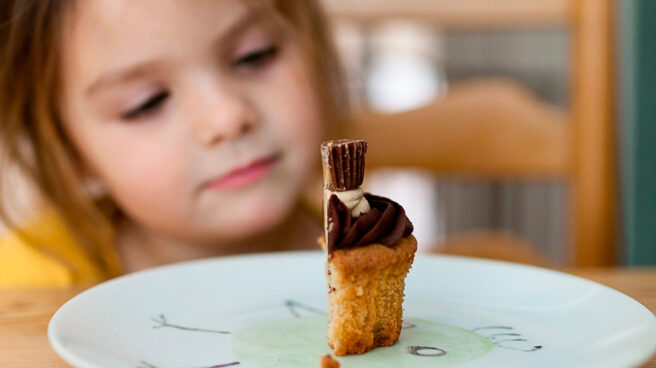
x=117 y=77
x=133 y=72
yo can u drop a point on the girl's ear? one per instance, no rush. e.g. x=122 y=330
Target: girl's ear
x=92 y=184
x=94 y=187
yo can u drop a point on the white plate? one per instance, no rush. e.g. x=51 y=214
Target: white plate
x=269 y=311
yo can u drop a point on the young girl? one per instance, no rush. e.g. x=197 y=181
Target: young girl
x=160 y=130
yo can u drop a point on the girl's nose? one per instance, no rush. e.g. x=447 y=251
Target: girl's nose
x=222 y=114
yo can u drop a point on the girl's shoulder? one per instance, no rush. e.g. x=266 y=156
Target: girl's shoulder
x=57 y=260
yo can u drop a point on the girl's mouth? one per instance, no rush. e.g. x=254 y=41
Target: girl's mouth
x=245 y=175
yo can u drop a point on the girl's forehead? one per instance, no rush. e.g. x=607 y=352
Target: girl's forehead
x=121 y=17
x=103 y=36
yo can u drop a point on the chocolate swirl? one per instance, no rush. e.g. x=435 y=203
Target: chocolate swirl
x=386 y=223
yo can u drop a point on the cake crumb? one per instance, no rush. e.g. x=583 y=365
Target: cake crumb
x=327 y=361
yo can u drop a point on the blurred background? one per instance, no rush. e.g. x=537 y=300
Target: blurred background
x=540 y=114
x=519 y=130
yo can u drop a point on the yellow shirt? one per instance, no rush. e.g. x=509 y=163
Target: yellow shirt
x=65 y=264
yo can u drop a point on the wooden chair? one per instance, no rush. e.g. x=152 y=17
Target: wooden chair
x=497 y=129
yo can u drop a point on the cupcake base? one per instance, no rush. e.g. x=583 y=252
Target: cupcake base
x=365 y=292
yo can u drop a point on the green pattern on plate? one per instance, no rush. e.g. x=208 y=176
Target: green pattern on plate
x=300 y=342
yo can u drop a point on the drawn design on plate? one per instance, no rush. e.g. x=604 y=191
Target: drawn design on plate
x=425 y=351
x=507 y=340
x=292 y=305
x=148 y=365
x=161 y=322
x=298 y=341
x=500 y=339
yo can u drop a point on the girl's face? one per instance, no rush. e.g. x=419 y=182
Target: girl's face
x=199 y=117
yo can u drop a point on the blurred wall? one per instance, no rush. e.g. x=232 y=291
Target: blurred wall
x=537 y=57
x=637 y=129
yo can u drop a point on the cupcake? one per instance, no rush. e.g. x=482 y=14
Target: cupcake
x=370 y=249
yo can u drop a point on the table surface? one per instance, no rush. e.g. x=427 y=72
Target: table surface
x=24 y=315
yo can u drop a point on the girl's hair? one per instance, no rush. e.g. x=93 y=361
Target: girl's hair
x=31 y=134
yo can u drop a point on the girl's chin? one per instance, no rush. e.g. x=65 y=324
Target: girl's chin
x=258 y=223
x=249 y=220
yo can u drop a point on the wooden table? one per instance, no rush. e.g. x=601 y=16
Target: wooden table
x=24 y=315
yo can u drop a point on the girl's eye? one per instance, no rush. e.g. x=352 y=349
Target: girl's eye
x=257 y=58
x=151 y=105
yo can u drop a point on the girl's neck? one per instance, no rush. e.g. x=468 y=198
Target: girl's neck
x=139 y=248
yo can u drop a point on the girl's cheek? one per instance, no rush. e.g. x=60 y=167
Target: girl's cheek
x=302 y=104
x=146 y=179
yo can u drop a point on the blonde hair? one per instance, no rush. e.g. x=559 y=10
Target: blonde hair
x=31 y=135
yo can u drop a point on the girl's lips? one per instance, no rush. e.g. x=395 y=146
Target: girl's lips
x=245 y=175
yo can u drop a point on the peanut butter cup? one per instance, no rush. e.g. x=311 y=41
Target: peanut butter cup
x=343 y=164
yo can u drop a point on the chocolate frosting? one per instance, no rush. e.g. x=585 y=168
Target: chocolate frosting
x=386 y=223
